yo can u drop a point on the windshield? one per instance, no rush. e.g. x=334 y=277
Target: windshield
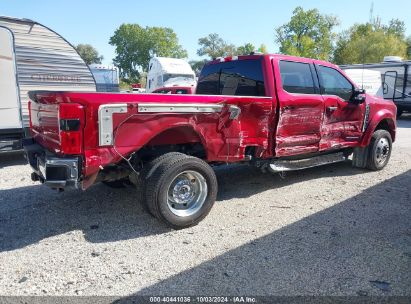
x=169 y=76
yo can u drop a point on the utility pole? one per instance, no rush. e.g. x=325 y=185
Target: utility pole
x=372 y=12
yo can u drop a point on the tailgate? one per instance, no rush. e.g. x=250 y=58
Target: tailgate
x=45 y=124
x=56 y=123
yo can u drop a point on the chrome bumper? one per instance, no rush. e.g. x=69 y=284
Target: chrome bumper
x=50 y=169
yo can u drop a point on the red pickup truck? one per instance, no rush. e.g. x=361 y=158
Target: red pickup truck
x=276 y=112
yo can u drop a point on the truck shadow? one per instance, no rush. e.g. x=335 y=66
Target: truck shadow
x=360 y=246
x=31 y=214
x=12 y=159
x=242 y=181
x=404 y=121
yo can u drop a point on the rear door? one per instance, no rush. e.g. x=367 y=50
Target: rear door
x=301 y=108
x=342 y=124
x=10 y=117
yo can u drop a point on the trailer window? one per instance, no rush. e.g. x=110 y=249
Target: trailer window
x=240 y=77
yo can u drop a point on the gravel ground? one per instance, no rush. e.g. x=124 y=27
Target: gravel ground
x=332 y=230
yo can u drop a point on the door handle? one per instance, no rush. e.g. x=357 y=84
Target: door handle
x=332 y=109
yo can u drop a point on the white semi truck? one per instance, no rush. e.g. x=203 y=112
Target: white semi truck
x=168 y=72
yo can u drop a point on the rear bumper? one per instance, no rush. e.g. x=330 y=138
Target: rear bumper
x=54 y=171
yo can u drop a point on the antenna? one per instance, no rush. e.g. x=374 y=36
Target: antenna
x=372 y=12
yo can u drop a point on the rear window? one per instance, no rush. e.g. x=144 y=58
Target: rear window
x=240 y=77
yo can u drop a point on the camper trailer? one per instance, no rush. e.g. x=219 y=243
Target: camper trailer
x=107 y=78
x=368 y=80
x=33 y=57
x=395 y=78
x=168 y=72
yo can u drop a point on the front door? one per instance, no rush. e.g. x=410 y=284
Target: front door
x=342 y=124
x=10 y=118
x=301 y=108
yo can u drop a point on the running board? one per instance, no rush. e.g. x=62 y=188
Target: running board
x=291 y=165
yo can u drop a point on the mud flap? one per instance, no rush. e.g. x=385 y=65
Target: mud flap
x=360 y=157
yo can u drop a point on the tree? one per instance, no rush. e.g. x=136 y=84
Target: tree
x=136 y=45
x=408 y=41
x=307 y=34
x=197 y=65
x=263 y=49
x=370 y=42
x=88 y=53
x=214 y=46
x=245 y=49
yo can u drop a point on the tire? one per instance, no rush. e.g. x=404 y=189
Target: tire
x=379 y=150
x=149 y=168
x=180 y=191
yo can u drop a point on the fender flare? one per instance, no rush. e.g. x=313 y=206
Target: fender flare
x=375 y=121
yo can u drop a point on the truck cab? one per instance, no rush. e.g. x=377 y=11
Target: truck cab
x=276 y=112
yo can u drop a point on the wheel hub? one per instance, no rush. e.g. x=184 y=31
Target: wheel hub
x=183 y=192
x=187 y=193
x=382 y=150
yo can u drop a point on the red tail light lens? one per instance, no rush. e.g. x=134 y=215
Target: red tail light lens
x=71 y=124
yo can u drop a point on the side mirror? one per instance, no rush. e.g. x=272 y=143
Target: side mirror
x=358 y=96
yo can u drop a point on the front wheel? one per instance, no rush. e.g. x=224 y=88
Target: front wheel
x=181 y=191
x=379 y=150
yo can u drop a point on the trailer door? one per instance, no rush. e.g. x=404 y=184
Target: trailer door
x=10 y=118
x=390 y=83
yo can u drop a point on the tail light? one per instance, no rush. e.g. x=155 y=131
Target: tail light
x=71 y=124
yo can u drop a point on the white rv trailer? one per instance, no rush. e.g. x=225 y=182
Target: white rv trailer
x=33 y=57
x=396 y=80
x=369 y=80
x=164 y=72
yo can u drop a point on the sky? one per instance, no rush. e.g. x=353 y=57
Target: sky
x=237 y=22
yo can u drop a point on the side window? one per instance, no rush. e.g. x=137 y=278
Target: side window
x=296 y=77
x=334 y=83
x=238 y=77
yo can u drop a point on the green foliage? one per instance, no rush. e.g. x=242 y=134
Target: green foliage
x=408 y=41
x=308 y=34
x=197 y=65
x=245 y=49
x=88 y=53
x=263 y=49
x=214 y=46
x=136 y=45
x=370 y=42
x=124 y=85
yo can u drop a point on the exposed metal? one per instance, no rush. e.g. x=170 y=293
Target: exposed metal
x=45 y=61
x=105 y=122
x=179 y=108
x=291 y=165
x=187 y=193
x=69 y=164
x=234 y=112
